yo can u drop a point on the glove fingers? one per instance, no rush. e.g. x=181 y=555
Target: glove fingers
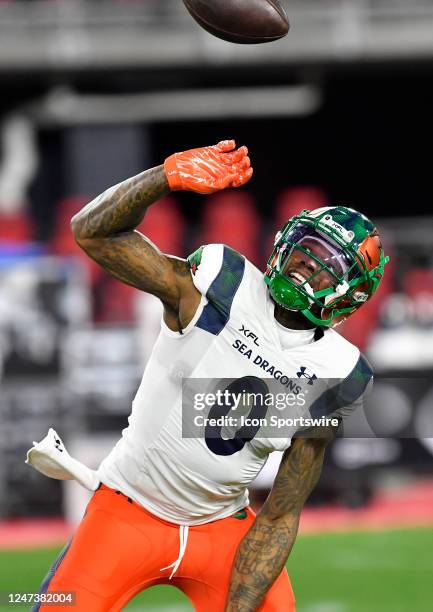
x=236 y=156
x=242 y=178
x=245 y=163
x=225 y=145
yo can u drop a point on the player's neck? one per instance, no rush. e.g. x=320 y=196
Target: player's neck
x=291 y=318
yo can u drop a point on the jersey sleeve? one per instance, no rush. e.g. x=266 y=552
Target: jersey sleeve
x=205 y=265
x=346 y=395
x=217 y=272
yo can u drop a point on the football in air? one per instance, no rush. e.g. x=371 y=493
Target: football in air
x=241 y=21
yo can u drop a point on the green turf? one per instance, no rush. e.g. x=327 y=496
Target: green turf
x=388 y=571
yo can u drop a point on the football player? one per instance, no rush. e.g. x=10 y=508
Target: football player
x=172 y=509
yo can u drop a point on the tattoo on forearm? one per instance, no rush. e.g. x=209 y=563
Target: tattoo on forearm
x=121 y=208
x=263 y=552
x=105 y=230
x=299 y=471
x=243 y=598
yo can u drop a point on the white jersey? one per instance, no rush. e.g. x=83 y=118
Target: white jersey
x=233 y=334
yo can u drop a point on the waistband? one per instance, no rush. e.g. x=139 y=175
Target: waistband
x=239 y=514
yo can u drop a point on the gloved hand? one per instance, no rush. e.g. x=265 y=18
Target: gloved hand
x=209 y=169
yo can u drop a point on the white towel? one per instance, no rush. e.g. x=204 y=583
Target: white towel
x=50 y=457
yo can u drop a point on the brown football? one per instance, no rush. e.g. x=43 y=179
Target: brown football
x=241 y=21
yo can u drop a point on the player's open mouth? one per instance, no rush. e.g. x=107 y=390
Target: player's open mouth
x=297 y=278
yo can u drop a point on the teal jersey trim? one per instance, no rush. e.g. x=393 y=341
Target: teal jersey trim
x=345 y=392
x=221 y=293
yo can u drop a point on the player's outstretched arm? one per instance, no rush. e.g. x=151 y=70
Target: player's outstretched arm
x=263 y=552
x=105 y=228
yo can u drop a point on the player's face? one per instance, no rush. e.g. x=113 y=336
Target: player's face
x=301 y=267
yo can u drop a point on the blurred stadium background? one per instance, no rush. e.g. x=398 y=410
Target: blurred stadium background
x=341 y=111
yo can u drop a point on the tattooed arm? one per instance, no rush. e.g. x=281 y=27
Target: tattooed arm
x=263 y=552
x=105 y=228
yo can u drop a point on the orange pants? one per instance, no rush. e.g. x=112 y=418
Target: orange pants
x=119 y=549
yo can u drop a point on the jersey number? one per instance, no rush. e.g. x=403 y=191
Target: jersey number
x=213 y=437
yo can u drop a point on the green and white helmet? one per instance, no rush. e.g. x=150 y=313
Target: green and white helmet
x=336 y=242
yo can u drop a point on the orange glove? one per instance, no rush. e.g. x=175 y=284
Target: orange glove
x=209 y=169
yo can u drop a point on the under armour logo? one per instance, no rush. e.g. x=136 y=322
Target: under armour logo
x=304 y=374
x=58 y=444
